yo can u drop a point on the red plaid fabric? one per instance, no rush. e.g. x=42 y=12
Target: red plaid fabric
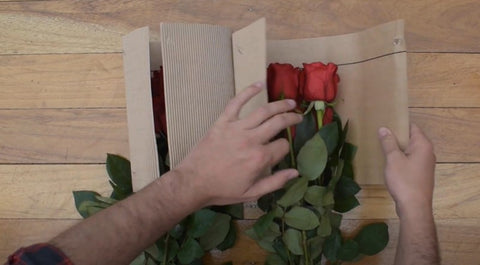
x=39 y=254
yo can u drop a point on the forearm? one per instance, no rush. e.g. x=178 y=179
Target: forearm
x=418 y=242
x=119 y=233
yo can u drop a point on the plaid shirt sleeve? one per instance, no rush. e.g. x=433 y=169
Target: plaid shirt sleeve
x=39 y=254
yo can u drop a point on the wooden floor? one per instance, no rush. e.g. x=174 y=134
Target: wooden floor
x=62 y=104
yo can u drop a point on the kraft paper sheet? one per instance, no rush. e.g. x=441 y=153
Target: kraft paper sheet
x=206 y=65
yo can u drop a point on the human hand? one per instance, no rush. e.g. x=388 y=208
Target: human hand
x=229 y=164
x=409 y=175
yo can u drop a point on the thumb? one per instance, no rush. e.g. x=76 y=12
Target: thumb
x=388 y=141
x=271 y=183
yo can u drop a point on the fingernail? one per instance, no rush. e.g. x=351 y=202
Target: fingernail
x=291 y=102
x=259 y=84
x=293 y=175
x=383 y=132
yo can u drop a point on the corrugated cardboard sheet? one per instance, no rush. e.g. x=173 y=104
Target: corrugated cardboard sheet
x=205 y=65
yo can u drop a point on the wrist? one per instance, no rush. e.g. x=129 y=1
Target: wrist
x=415 y=211
x=179 y=189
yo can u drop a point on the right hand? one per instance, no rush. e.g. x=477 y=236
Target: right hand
x=228 y=165
x=409 y=175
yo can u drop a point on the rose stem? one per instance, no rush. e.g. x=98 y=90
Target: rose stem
x=320 y=119
x=305 y=248
x=290 y=142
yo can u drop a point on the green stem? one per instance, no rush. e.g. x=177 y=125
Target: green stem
x=290 y=142
x=305 y=248
x=320 y=119
x=166 y=249
x=283 y=232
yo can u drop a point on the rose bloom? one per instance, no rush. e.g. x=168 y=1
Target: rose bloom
x=320 y=82
x=282 y=82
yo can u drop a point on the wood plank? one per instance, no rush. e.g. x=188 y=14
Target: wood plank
x=454 y=132
x=96 y=80
x=444 y=80
x=62 y=135
x=45 y=191
x=85 y=27
x=85 y=135
x=459 y=240
x=62 y=81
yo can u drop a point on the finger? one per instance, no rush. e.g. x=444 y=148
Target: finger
x=277 y=150
x=233 y=107
x=388 y=141
x=418 y=140
x=261 y=114
x=276 y=124
x=271 y=183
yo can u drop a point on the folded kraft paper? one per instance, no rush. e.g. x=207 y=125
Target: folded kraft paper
x=206 y=65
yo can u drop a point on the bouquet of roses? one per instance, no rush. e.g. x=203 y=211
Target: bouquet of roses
x=301 y=223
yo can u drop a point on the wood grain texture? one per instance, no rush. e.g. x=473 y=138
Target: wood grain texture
x=459 y=240
x=454 y=132
x=62 y=81
x=27 y=189
x=444 y=80
x=62 y=135
x=96 y=26
x=86 y=135
x=96 y=80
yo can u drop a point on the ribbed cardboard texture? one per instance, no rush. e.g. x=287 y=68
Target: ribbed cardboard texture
x=205 y=65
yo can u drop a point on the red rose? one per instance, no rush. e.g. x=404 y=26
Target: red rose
x=320 y=82
x=158 y=101
x=328 y=116
x=282 y=81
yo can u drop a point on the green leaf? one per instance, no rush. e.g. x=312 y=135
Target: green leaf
x=328 y=199
x=324 y=229
x=139 y=260
x=330 y=136
x=314 y=195
x=217 y=232
x=189 y=251
x=301 y=218
x=348 y=152
x=312 y=158
x=229 y=239
x=172 y=249
x=267 y=245
x=315 y=246
x=177 y=231
x=274 y=259
x=294 y=193
x=281 y=250
x=106 y=200
x=348 y=170
x=263 y=223
x=345 y=204
x=152 y=252
x=373 y=238
x=335 y=219
x=348 y=251
x=305 y=130
x=293 y=240
x=332 y=245
x=82 y=196
x=118 y=169
x=234 y=210
x=90 y=208
x=199 y=222
x=346 y=187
